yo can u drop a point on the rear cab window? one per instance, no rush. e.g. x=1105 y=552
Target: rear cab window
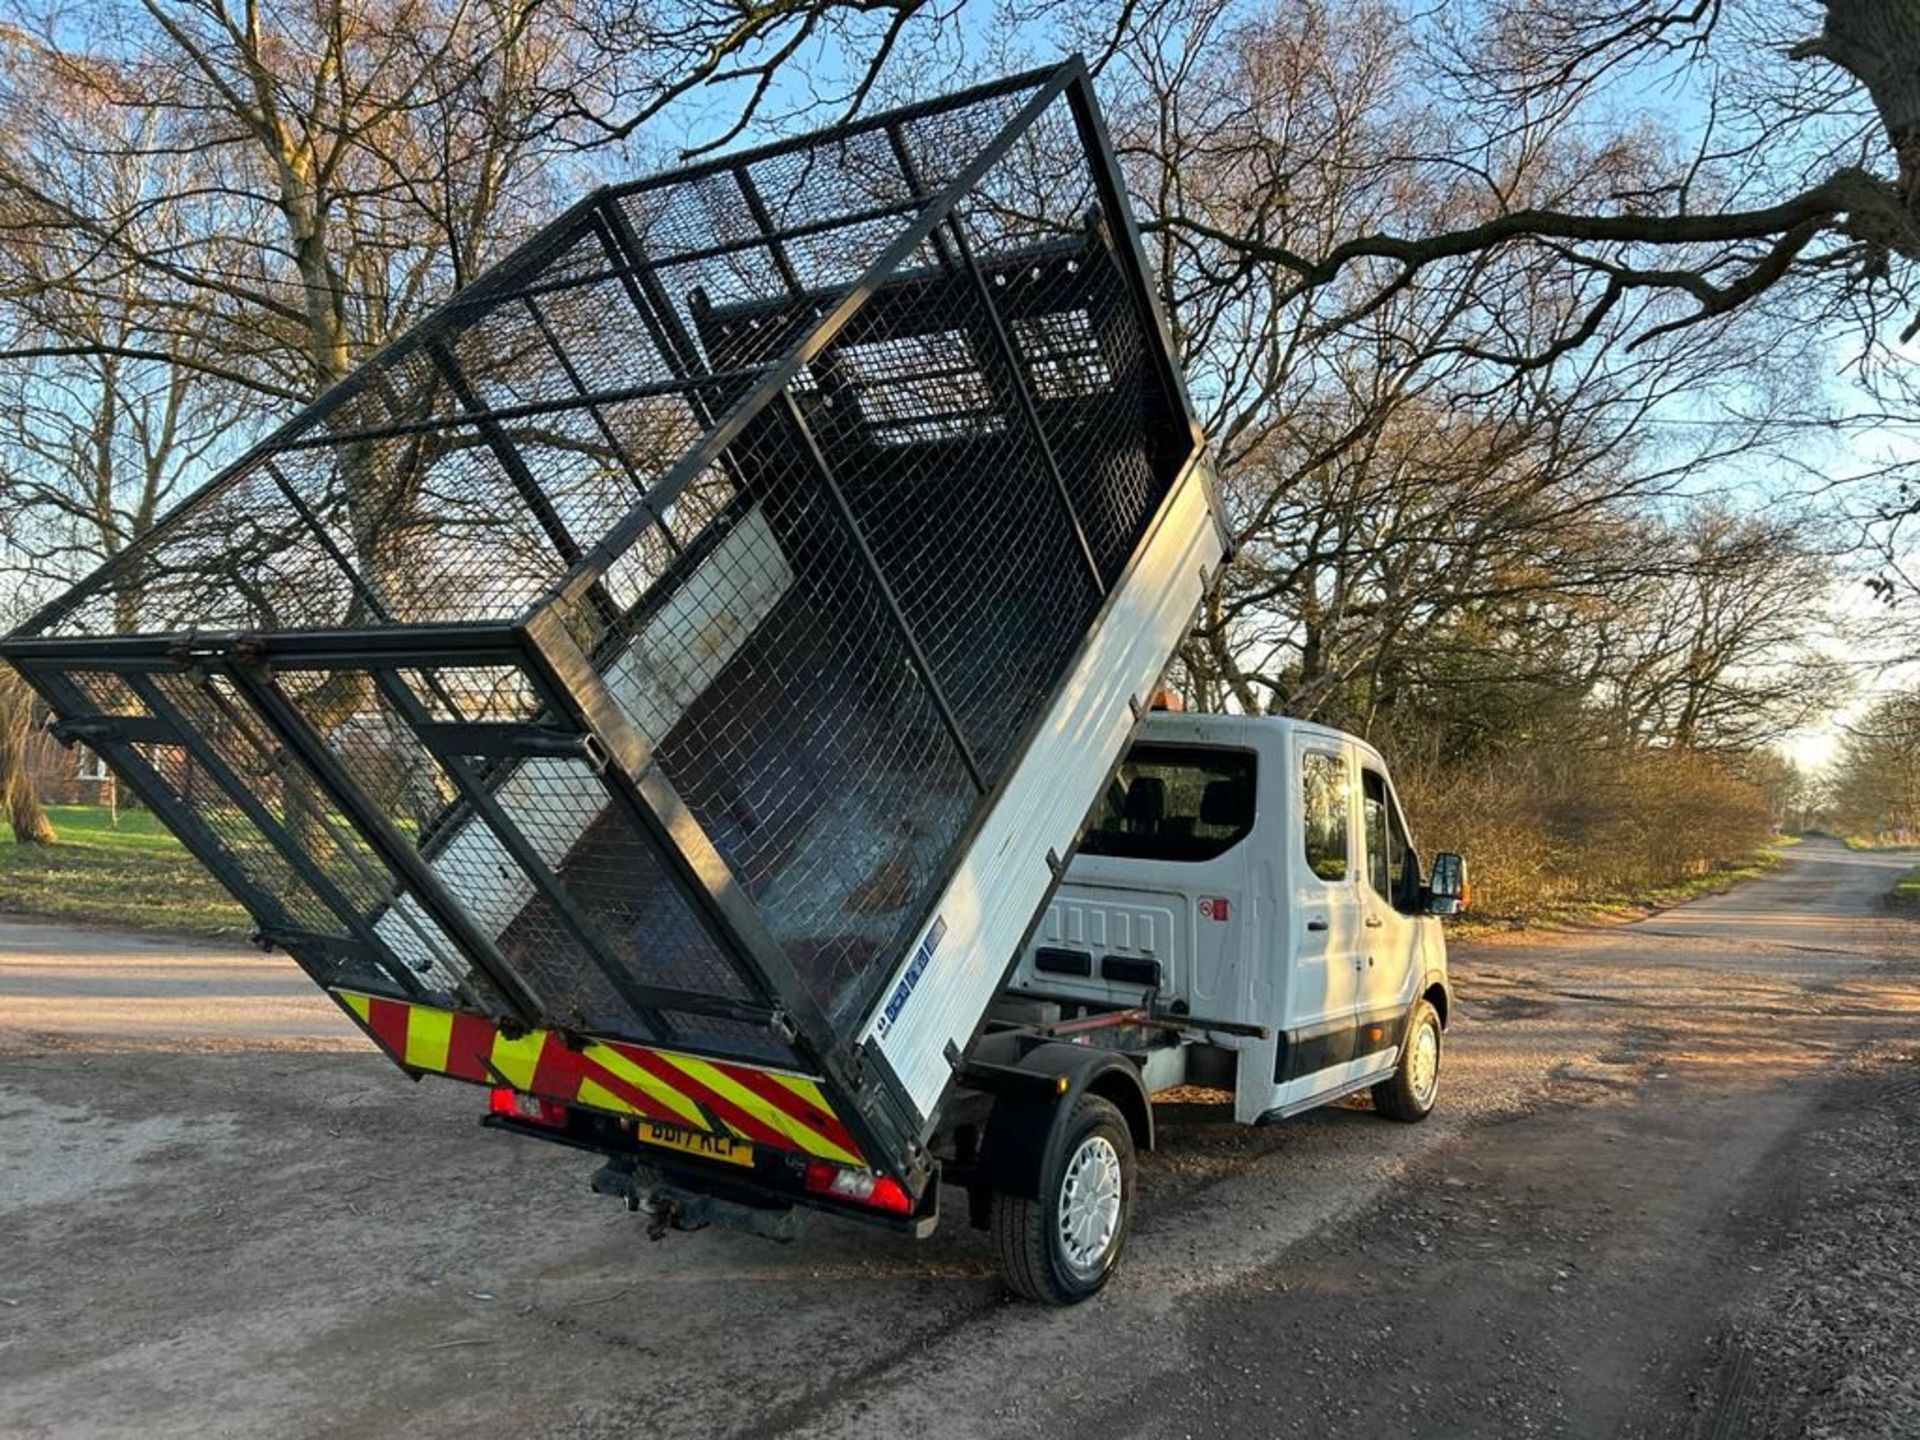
x=1182 y=803
x=1326 y=788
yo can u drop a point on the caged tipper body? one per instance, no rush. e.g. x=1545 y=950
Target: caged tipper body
x=667 y=685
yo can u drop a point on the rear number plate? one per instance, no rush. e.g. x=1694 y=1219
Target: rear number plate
x=694 y=1142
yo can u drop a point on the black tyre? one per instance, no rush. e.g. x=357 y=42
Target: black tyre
x=1063 y=1247
x=1410 y=1092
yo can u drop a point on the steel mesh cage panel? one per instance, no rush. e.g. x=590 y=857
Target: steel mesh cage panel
x=632 y=647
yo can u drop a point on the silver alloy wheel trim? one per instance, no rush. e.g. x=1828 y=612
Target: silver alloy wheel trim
x=1089 y=1209
x=1423 y=1063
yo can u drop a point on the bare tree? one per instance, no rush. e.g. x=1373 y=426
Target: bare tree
x=323 y=172
x=101 y=431
x=1806 y=169
x=1809 y=178
x=19 y=800
x=1418 y=517
x=1720 y=649
x=1875 y=782
x=25 y=816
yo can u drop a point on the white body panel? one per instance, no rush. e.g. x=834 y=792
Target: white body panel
x=1397 y=949
x=954 y=970
x=1314 y=959
x=1131 y=924
x=1322 y=916
x=552 y=802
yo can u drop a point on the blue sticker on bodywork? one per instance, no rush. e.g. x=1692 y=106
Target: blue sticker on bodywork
x=916 y=967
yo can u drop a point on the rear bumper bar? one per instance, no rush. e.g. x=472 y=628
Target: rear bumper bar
x=734 y=1198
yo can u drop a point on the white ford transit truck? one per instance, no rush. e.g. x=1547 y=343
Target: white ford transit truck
x=695 y=685
x=1258 y=871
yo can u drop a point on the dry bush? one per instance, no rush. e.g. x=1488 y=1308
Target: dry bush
x=1550 y=826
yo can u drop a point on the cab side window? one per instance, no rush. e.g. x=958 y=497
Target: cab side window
x=1325 y=785
x=1393 y=870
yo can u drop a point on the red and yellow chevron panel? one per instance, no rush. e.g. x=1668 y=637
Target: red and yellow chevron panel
x=721 y=1097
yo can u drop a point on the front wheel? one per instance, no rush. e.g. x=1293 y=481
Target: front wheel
x=1062 y=1247
x=1409 y=1093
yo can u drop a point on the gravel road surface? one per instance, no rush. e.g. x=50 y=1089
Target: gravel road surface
x=1673 y=1191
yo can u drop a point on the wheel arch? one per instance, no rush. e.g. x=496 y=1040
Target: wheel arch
x=1022 y=1127
x=1121 y=1084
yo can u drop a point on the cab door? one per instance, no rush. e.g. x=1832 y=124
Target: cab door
x=1326 y=913
x=1389 y=893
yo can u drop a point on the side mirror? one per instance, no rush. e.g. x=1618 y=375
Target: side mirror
x=1447 y=892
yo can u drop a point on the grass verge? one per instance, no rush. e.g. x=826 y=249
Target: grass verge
x=135 y=875
x=1906 y=890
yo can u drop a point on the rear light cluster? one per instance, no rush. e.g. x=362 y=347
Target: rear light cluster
x=862 y=1187
x=502 y=1100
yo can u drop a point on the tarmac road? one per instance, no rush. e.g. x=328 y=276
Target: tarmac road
x=1673 y=1190
x=69 y=984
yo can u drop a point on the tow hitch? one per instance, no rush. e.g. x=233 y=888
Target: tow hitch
x=668 y=1207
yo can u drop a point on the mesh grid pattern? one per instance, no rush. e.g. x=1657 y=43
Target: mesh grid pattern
x=187 y=782
x=327 y=841
x=226 y=726
x=814 y=758
x=255 y=857
x=974 y=538
x=632 y=921
x=109 y=693
x=832 y=614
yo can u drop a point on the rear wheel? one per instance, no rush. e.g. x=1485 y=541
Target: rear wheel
x=1062 y=1247
x=1410 y=1092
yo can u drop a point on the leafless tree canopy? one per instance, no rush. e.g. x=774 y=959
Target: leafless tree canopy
x=1875 y=785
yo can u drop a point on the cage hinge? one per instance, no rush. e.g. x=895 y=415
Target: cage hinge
x=83 y=730
x=1056 y=865
x=1094 y=223
x=859 y=1074
x=251 y=651
x=95 y=731
x=195 y=651
x=539 y=742
x=781 y=1024
x=594 y=754
x=1133 y=704
x=485 y=739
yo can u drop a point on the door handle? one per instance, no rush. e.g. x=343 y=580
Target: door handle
x=1374 y=922
x=1316 y=924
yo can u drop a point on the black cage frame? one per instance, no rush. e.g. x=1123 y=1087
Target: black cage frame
x=188 y=699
